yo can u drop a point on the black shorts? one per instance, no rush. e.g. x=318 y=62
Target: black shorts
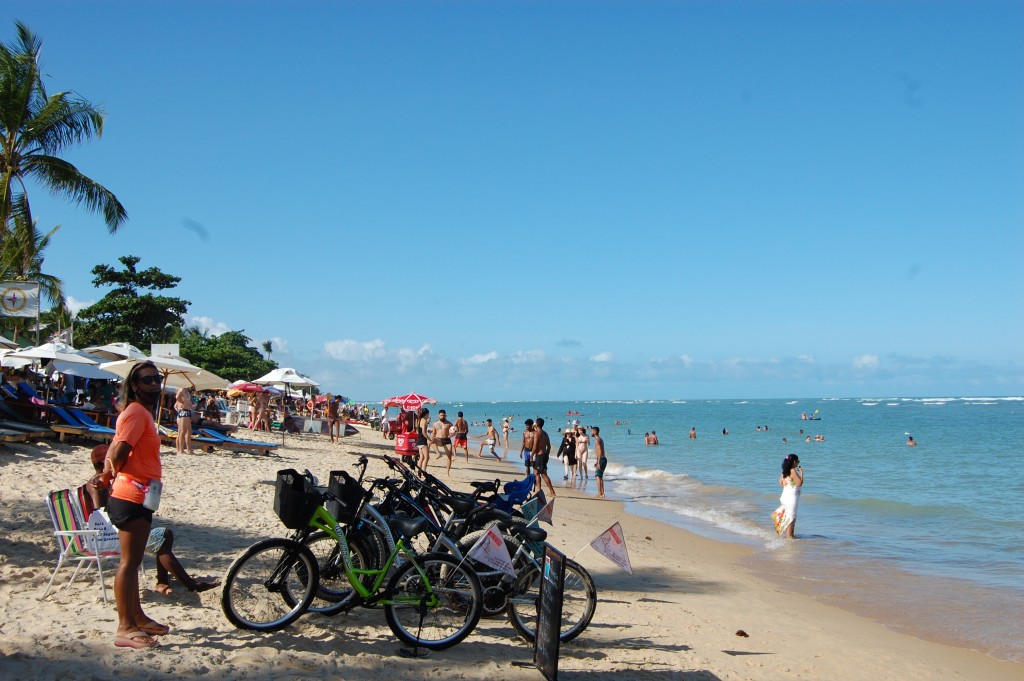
x=122 y=512
x=444 y=440
x=421 y=441
x=540 y=464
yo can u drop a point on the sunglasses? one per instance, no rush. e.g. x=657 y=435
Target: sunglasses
x=147 y=380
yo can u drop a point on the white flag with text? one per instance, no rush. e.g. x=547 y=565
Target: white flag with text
x=612 y=545
x=492 y=552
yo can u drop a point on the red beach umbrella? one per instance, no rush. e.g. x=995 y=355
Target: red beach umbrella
x=410 y=402
x=247 y=387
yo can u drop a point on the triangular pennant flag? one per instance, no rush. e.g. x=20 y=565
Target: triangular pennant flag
x=612 y=545
x=490 y=550
x=546 y=509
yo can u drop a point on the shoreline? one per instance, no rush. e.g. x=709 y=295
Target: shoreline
x=678 y=613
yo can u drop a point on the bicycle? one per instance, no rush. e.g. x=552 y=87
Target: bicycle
x=432 y=600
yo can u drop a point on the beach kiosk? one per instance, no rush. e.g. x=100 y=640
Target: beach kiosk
x=404 y=426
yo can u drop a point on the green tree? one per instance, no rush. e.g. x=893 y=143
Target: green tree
x=268 y=347
x=230 y=355
x=35 y=128
x=126 y=315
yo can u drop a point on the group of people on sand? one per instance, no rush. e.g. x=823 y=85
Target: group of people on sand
x=125 y=490
x=442 y=434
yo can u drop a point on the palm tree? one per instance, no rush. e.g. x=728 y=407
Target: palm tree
x=35 y=128
x=268 y=347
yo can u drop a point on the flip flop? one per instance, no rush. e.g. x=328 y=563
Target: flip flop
x=136 y=639
x=152 y=628
x=163 y=589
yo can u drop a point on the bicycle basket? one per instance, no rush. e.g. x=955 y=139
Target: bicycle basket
x=295 y=499
x=349 y=497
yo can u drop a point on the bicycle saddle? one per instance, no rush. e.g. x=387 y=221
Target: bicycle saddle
x=408 y=527
x=529 y=533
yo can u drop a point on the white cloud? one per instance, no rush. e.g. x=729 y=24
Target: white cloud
x=866 y=362
x=349 y=350
x=808 y=359
x=75 y=305
x=602 y=357
x=207 y=324
x=480 y=358
x=527 y=357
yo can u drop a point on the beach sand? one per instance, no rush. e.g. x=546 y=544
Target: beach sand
x=676 y=617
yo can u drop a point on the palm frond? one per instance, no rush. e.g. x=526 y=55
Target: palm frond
x=64 y=179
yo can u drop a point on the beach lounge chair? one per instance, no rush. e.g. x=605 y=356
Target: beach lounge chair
x=169 y=436
x=229 y=442
x=72 y=426
x=75 y=541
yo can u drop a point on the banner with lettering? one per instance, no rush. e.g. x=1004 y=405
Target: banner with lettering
x=612 y=545
x=490 y=550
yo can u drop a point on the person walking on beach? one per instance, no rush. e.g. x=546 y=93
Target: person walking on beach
x=791 y=481
x=490 y=440
x=422 y=439
x=541 y=455
x=567 y=453
x=461 y=436
x=526 y=450
x=441 y=434
x=183 y=407
x=602 y=459
x=333 y=420
x=582 y=454
x=134 y=458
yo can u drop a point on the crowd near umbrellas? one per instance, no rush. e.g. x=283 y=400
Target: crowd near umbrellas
x=410 y=402
x=177 y=372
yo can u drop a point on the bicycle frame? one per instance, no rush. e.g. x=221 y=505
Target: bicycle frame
x=323 y=520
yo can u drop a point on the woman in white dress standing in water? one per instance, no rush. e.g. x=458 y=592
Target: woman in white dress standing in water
x=791 y=480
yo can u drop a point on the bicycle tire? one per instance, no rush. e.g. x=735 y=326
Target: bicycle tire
x=270 y=585
x=438 y=625
x=497 y=588
x=579 y=602
x=334 y=593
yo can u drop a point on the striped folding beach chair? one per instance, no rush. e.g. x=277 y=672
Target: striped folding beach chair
x=74 y=540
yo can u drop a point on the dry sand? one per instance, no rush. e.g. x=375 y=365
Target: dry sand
x=676 y=617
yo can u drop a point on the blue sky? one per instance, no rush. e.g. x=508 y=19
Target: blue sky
x=566 y=200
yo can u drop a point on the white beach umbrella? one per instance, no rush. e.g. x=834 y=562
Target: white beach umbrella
x=83 y=370
x=178 y=372
x=13 y=362
x=285 y=377
x=114 y=351
x=54 y=351
x=6 y=342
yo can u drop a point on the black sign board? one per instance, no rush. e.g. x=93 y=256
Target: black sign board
x=549 y=613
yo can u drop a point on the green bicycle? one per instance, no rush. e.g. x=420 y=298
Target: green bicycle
x=431 y=600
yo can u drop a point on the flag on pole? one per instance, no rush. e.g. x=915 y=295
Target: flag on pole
x=19 y=299
x=547 y=509
x=490 y=550
x=612 y=545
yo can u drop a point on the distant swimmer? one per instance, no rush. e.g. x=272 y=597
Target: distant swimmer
x=647 y=438
x=910 y=441
x=654 y=437
x=725 y=431
x=803 y=416
x=693 y=433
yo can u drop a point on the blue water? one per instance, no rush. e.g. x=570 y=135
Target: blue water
x=927 y=539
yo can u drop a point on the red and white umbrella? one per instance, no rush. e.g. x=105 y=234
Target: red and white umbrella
x=247 y=387
x=410 y=402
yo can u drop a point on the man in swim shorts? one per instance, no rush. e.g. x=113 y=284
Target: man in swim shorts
x=440 y=434
x=602 y=459
x=461 y=436
x=526 y=451
x=541 y=453
x=490 y=439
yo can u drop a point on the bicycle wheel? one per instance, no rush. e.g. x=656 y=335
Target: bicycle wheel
x=438 y=617
x=579 y=601
x=497 y=587
x=270 y=585
x=335 y=593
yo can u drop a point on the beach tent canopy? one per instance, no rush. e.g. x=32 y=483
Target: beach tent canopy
x=6 y=342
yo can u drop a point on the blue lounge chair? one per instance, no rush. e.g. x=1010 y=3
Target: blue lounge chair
x=226 y=441
x=72 y=426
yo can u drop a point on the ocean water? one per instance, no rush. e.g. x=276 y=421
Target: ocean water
x=928 y=540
